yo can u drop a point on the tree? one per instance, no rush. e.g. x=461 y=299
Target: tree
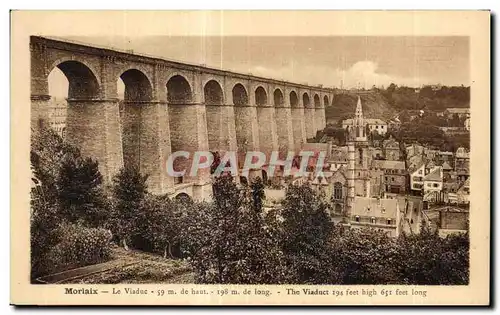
x=80 y=193
x=228 y=242
x=258 y=194
x=67 y=188
x=391 y=88
x=159 y=225
x=427 y=259
x=363 y=256
x=306 y=230
x=129 y=190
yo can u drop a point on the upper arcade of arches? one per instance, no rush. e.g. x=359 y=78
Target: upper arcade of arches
x=294 y=100
x=178 y=90
x=278 y=98
x=240 y=96
x=91 y=69
x=305 y=100
x=317 y=102
x=83 y=83
x=137 y=86
x=260 y=96
x=213 y=93
x=325 y=101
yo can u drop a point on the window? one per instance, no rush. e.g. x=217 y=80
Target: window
x=357 y=218
x=420 y=172
x=392 y=179
x=389 y=221
x=178 y=180
x=372 y=220
x=382 y=127
x=428 y=184
x=376 y=127
x=435 y=185
x=337 y=191
x=338 y=208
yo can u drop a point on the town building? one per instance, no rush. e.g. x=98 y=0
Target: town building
x=361 y=208
x=461 y=112
x=374 y=124
x=433 y=182
x=391 y=150
x=378 y=213
x=395 y=175
x=57 y=115
x=338 y=158
x=462 y=164
x=414 y=149
x=449 y=219
x=377 y=153
x=417 y=174
x=454 y=131
x=394 y=123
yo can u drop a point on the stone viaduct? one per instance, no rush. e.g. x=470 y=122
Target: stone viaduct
x=170 y=106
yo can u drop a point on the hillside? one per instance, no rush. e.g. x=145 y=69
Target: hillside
x=374 y=106
x=389 y=102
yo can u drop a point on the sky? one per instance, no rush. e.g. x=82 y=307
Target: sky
x=333 y=61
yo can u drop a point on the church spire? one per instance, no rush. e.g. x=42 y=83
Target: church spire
x=359 y=123
x=359 y=110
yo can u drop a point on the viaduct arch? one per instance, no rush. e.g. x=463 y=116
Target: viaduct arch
x=170 y=106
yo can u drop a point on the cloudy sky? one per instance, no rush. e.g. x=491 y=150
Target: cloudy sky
x=333 y=61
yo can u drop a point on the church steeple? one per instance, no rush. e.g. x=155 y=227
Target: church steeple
x=359 y=110
x=358 y=123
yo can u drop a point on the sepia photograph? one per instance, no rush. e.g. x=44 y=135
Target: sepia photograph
x=309 y=163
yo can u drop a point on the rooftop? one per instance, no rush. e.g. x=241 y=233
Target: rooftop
x=375 y=207
x=434 y=175
x=372 y=121
x=385 y=164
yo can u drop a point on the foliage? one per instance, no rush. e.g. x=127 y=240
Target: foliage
x=80 y=246
x=402 y=97
x=227 y=241
x=427 y=133
x=80 y=194
x=66 y=188
x=307 y=229
x=385 y=103
x=427 y=259
x=363 y=256
x=159 y=225
x=258 y=194
x=129 y=190
x=43 y=234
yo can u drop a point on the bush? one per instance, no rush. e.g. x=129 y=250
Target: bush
x=228 y=241
x=128 y=191
x=158 y=226
x=80 y=246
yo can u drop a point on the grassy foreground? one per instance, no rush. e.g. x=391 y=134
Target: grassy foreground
x=143 y=268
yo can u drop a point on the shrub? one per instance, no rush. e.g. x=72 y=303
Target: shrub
x=80 y=246
x=227 y=241
x=129 y=189
x=158 y=226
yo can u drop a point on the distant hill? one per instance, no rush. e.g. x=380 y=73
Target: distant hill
x=344 y=105
x=387 y=103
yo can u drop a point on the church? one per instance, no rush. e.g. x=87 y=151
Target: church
x=358 y=189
